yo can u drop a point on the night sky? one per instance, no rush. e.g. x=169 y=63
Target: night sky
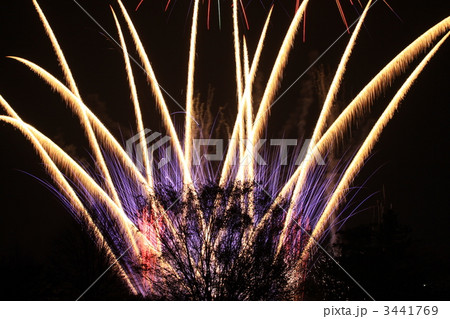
x=410 y=160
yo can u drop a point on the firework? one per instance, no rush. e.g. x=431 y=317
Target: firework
x=244 y=4
x=186 y=231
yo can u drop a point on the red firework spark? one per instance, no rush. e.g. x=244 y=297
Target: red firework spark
x=244 y=14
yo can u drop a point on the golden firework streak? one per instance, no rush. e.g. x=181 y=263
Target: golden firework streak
x=137 y=108
x=334 y=88
x=361 y=102
x=358 y=105
x=158 y=94
x=238 y=63
x=277 y=73
x=78 y=107
x=366 y=148
x=335 y=84
x=247 y=175
x=248 y=102
x=188 y=139
x=270 y=90
x=234 y=136
x=63 y=186
x=190 y=90
x=84 y=119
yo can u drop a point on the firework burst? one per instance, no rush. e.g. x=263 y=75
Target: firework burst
x=212 y=5
x=196 y=231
